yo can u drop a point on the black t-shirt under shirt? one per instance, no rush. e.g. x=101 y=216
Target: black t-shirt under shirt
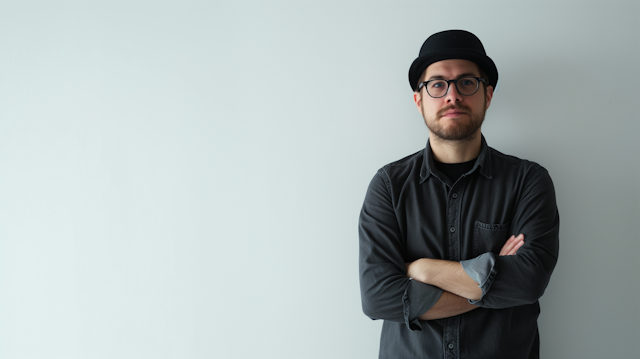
x=455 y=170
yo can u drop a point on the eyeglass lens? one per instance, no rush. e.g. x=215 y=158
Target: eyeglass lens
x=465 y=86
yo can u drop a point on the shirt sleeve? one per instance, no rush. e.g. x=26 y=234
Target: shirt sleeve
x=482 y=270
x=386 y=291
x=522 y=278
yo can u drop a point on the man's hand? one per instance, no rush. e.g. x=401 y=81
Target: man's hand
x=512 y=245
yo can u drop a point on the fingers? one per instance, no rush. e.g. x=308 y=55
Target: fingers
x=512 y=245
x=507 y=246
x=519 y=242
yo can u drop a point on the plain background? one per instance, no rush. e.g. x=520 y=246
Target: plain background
x=182 y=179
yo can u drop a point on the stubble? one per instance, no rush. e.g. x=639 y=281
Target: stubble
x=461 y=129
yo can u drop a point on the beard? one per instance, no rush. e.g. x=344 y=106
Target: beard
x=460 y=130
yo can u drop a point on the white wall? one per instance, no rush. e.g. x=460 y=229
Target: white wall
x=182 y=179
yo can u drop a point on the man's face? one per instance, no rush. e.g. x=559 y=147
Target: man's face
x=453 y=117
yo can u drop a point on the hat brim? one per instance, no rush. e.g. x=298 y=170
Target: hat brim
x=421 y=63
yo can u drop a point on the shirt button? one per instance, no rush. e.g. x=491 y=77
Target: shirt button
x=450 y=346
x=496 y=227
x=455 y=195
x=452 y=229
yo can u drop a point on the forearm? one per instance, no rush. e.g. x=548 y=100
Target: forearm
x=448 y=305
x=447 y=275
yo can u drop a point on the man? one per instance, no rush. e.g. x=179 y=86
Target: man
x=457 y=241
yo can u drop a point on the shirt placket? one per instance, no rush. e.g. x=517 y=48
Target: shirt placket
x=451 y=335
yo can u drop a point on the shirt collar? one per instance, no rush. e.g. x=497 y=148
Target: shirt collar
x=483 y=162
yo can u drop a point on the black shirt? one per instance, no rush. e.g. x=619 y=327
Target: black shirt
x=453 y=171
x=413 y=211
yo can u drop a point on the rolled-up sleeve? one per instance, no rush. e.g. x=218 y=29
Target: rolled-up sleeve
x=482 y=270
x=522 y=278
x=386 y=291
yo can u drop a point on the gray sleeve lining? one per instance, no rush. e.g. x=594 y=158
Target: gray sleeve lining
x=482 y=270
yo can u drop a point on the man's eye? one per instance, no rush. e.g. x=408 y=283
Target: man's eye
x=466 y=82
x=437 y=85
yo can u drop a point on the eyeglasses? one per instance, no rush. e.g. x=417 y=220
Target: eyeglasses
x=466 y=86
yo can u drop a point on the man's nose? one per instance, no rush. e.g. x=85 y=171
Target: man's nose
x=452 y=93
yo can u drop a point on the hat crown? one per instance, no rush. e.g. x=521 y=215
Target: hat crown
x=451 y=39
x=452 y=44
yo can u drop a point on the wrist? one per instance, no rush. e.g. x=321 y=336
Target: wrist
x=439 y=270
x=420 y=270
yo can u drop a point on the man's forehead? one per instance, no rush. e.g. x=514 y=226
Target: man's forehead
x=452 y=67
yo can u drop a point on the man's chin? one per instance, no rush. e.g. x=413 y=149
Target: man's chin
x=458 y=134
x=455 y=128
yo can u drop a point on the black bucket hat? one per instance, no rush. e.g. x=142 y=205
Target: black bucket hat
x=452 y=44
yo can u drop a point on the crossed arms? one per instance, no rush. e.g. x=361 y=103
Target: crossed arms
x=457 y=286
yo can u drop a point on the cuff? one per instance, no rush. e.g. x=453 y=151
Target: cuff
x=481 y=269
x=417 y=300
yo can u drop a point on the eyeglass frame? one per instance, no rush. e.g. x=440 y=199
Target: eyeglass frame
x=455 y=82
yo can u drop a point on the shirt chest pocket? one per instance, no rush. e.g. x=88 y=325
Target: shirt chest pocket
x=489 y=237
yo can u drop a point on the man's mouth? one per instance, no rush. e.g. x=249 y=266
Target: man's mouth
x=453 y=113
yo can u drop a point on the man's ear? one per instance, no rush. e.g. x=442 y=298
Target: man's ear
x=488 y=95
x=417 y=98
